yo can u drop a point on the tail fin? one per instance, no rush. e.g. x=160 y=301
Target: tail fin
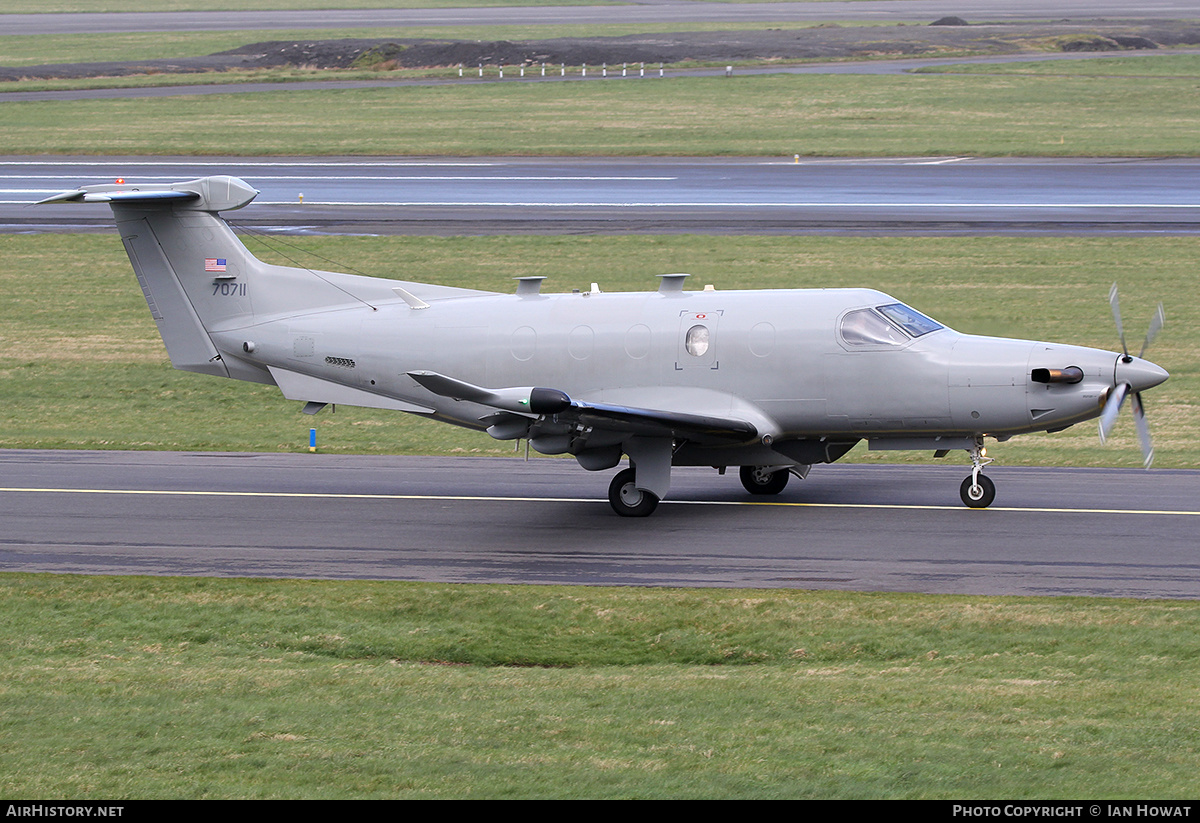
x=192 y=268
x=197 y=276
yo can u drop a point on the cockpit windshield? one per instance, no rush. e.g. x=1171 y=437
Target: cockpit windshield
x=912 y=321
x=888 y=326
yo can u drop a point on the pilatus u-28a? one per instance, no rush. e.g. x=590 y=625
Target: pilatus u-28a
x=770 y=381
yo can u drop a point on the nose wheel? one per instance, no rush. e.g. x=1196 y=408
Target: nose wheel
x=977 y=492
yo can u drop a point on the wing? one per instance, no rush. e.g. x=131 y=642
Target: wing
x=697 y=415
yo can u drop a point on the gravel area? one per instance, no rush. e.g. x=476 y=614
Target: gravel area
x=829 y=42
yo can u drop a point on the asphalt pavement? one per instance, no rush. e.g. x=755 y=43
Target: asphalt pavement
x=1100 y=532
x=765 y=195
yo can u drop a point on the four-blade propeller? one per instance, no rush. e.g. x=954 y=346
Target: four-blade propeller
x=1122 y=389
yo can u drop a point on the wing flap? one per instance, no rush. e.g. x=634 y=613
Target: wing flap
x=661 y=421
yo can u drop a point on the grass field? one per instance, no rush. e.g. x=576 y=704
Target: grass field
x=752 y=116
x=196 y=688
x=1145 y=64
x=86 y=369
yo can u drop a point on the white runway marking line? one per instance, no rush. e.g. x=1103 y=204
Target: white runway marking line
x=511 y=499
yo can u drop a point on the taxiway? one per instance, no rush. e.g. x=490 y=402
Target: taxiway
x=1098 y=532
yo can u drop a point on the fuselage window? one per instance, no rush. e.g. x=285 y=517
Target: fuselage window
x=696 y=341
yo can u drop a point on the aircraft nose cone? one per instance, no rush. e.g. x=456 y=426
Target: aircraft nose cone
x=1139 y=374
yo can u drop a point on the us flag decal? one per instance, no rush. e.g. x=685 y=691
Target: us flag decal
x=214 y=264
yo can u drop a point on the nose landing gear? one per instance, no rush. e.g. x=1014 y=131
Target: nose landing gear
x=978 y=491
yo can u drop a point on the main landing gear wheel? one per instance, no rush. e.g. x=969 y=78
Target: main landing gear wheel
x=761 y=480
x=627 y=499
x=977 y=495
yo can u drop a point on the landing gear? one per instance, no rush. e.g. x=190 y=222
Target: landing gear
x=627 y=499
x=764 y=479
x=977 y=491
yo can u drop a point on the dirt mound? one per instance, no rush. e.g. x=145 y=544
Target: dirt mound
x=819 y=42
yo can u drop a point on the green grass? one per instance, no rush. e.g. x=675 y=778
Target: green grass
x=1144 y=64
x=142 y=688
x=774 y=115
x=117 y=688
x=85 y=368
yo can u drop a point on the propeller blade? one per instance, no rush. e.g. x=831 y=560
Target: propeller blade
x=1112 y=408
x=1115 y=302
x=1143 y=429
x=1156 y=324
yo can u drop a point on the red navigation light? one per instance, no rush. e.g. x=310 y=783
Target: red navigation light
x=120 y=181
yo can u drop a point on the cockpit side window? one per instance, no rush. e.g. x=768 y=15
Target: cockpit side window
x=866 y=328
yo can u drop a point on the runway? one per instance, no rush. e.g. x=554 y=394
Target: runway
x=1097 y=532
x=946 y=195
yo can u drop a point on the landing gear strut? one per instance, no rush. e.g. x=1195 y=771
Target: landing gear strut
x=978 y=491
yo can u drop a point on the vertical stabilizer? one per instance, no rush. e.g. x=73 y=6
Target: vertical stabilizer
x=192 y=268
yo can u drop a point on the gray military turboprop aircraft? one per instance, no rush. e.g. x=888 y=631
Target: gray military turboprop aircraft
x=770 y=381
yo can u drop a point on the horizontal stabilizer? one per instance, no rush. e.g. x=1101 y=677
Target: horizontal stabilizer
x=220 y=193
x=81 y=196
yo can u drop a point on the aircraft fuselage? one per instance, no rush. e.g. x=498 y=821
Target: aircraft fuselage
x=780 y=352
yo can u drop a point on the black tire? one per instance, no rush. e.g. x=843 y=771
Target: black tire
x=756 y=481
x=978 y=497
x=627 y=499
